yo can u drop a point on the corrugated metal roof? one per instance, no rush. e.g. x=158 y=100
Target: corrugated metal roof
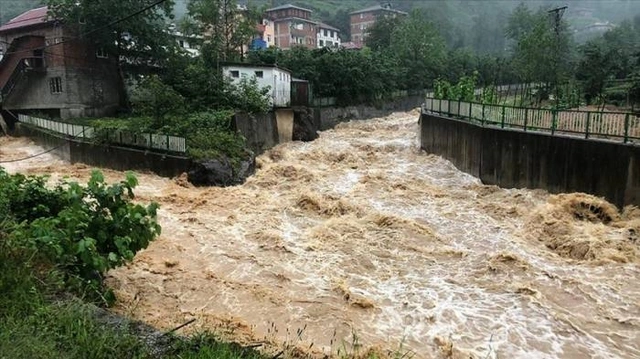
x=29 y=18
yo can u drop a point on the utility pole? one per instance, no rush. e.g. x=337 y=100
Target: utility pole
x=557 y=14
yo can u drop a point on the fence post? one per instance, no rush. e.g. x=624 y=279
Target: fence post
x=167 y=142
x=553 y=121
x=526 y=117
x=150 y=145
x=503 y=115
x=470 y=113
x=586 y=130
x=459 y=115
x=440 y=106
x=482 y=120
x=626 y=128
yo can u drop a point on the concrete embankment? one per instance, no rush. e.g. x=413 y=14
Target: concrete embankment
x=517 y=159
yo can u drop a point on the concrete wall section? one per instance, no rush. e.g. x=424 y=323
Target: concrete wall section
x=261 y=131
x=516 y=159
x=328 y=117
x=117 y=158
x=284 y=120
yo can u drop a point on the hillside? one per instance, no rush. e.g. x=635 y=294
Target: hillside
x=12 y=8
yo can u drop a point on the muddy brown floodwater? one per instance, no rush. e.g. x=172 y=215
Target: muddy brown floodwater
x=361 y=232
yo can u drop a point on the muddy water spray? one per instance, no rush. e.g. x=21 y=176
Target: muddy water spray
x=360 y=232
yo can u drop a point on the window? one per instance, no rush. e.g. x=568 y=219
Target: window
x=101 y=54
x=55 y=85
x=235 y=74
x=259 y=74
x=321 y=43
x=326 y=33
x=182 y=44
x=268 y=38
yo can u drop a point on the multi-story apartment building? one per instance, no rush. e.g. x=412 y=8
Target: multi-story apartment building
x=363 y=19
x=292 y=26
x=328 y=36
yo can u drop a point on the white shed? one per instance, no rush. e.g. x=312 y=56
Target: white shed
x=277 y=79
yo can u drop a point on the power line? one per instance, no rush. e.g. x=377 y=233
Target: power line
x=148 y=7
x=44 y=152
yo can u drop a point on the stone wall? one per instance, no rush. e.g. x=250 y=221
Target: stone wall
x=517 y=159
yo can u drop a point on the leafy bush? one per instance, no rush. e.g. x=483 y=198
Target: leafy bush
x=154 y=99
x=83 y=231
x=214 y=138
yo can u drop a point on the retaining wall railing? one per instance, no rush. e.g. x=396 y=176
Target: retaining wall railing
x=124 y=138
x=619 y=126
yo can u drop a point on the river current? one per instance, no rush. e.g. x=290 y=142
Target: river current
x=359 y=236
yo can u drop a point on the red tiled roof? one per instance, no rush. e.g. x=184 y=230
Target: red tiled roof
x=29 y=18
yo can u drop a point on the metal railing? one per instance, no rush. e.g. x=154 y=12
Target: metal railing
x=124 y=138
x=620 y=126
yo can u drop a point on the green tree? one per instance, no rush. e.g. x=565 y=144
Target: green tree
x=226 y=28
x=594 y=68
x=542 y=52
x=139 y=43
x=153 y=98
x=379 y=35
x=420 y=50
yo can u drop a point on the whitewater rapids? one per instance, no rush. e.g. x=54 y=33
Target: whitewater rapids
x=360 y=234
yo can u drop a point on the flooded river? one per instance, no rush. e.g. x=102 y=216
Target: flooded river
x=361 y=235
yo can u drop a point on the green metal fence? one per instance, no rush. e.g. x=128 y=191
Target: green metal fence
x=620 y=126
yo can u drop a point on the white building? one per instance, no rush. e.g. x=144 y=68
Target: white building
x=189 y=43
x=328 y=36
x=277 y=79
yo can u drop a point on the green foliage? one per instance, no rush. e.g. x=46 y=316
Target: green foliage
x=83 y=231
x=225 y=31
x=153 y=98
x=143 y=38
x=351 y=76
x=420 y=51
x=215 y=136
x=541 y=53
x=379 y=35
x=248 y=96
x=489 y=95
x=594 y=68
x=464 y=90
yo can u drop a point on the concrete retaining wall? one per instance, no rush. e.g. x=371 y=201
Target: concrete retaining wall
x=117 y=158
x=517 y=159
x=329 y=117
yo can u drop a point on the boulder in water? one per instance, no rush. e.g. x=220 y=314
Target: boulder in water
x=221 y=171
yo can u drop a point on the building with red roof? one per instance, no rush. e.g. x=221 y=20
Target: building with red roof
x=45 y=67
